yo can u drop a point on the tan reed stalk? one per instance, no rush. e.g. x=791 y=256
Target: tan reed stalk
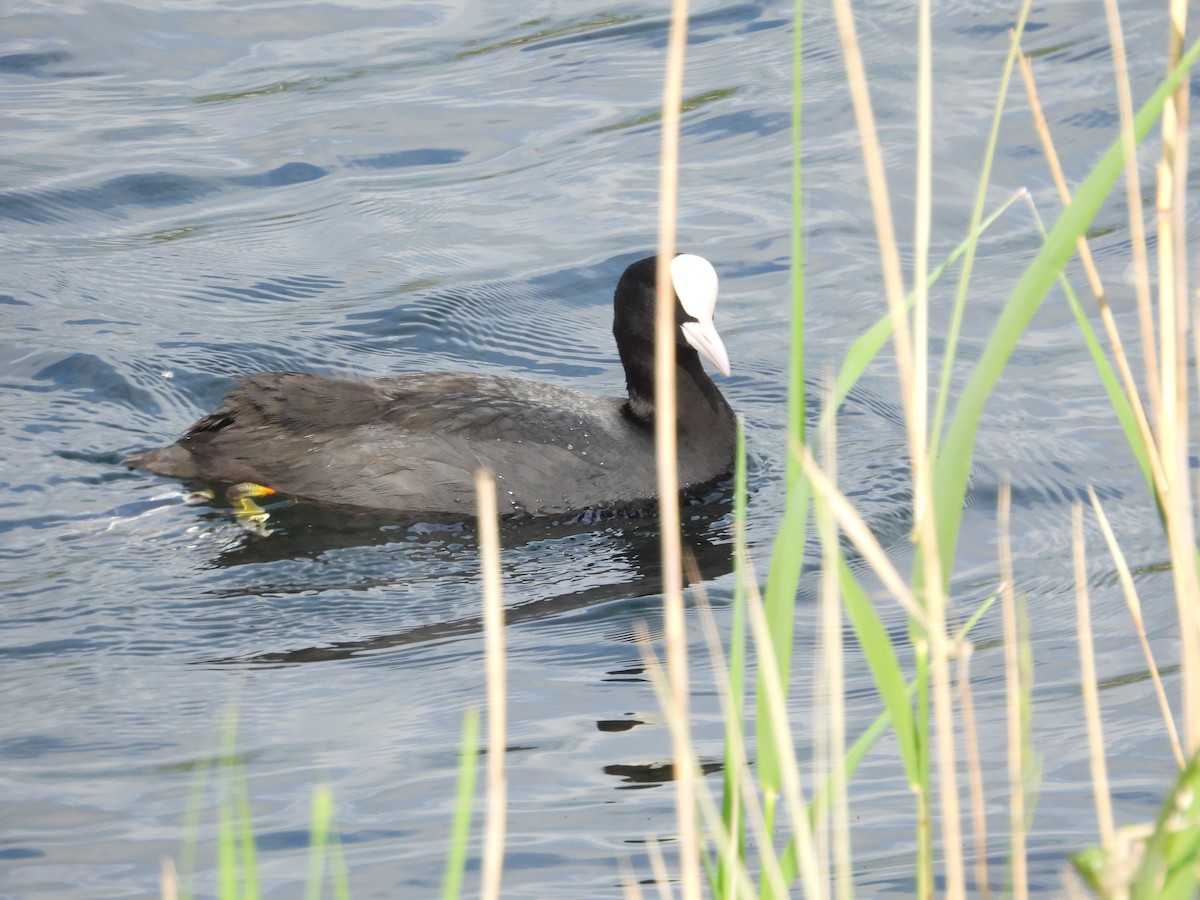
x=493 y=638
x=785 y=748
x=881 y=203
x=831 y=693
x=665 y=450
x=1179 y=142
x=1173 y=435
x=1087 y=678
x=976 y=229
x=1172 y=413
x=893 y=279
x=629 y=885
x=1133 y=197
x=1173 y=271
x=1132 y=393
x=739 y=883
x=1135 y=611
x=915 y=399
x=1171 y=321
x=820 y=762
x=662 y=881
x=168 y=880
x=974 y=770
x=704 y=800
x=1012 y=677
x=919 y=422
x=1176 y=141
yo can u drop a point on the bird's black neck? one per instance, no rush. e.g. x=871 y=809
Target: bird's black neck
x=698 y=403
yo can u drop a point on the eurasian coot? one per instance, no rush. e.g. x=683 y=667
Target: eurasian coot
x=412 y=443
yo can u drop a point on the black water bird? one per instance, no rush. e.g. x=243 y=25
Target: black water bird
x=412 y=443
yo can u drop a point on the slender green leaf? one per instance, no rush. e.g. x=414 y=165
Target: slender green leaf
x=985 y=176
x=320 y=828
x=953 y=466
x=870 y=342
x=732 y=813
x=460 y=831
x=885 y=668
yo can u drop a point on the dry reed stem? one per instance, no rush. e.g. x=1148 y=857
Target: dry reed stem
x=1042 y=127
x=822 y=685
x=493 y=639
x=1133 y=197
x=662 y=881
x=1174 y=311
x=974 y=232
x=881 y=205
x=1120 y=358
x=735 y=750
x=974 y=770
x=629 y=885
x=943 y=705
x=168 y=879
x=1087 y=680
x=704 y=801
x=830 y=683
x=746 y=793
x=919 y=420
x=1172 y=411
x=665 y=452
x=1176 y=140
x=1172 y=371
x=785 y=747
x=1133 y=602
x=1012 y=678
x=914 y=399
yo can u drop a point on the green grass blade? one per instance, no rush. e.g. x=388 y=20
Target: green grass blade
x=953 y=466
x=885 y=668
x=1165 y=860
x=787 y=555
x=460 y=831
x=868 y=345
x=191 y=824
x=227 y=856
x=1112 y=384
x=783 y=578
x=924 y=788
x=341 y=878
x=732 y=814
x=237 y=869
x=788 y=864
x=985 y=176
x=321 y=818
x=796 y=386
x=247 y=852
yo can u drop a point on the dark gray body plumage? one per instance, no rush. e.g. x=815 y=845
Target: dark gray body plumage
x=414 y=442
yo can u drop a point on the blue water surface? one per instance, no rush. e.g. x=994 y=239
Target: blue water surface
x=189 y=191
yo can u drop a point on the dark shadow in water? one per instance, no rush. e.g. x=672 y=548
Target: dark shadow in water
x=146 y=190
x=160 y=189
x=307 y=532
x=647 y=775
x=613 y=726
x=402 y=159
x=44 y=64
